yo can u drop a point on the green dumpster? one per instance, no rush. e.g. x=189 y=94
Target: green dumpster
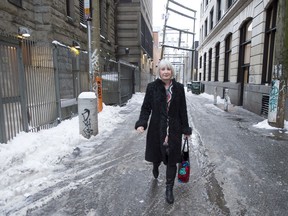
x=195 y=87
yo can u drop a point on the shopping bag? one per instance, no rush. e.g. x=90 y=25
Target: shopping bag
x=184 y=166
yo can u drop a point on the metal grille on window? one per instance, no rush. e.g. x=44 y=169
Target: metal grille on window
x=265 y=105
x=81 y=11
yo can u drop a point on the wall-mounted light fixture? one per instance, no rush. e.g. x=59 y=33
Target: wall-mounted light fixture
x=24 y=31
x=127 y=50
x=75 y=48
x=76 y=44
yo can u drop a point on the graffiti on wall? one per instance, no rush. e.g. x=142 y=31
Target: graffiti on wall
x=87 y=123
x=274 y=93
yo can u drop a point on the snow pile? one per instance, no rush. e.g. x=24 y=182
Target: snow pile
x=265 y=125
x=28 y=162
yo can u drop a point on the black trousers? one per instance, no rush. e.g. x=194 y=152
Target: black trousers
x=171 y=171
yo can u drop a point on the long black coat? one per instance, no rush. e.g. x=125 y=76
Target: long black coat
x=155 y=103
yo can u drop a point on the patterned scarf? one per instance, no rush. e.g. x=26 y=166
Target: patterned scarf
x=168 y=98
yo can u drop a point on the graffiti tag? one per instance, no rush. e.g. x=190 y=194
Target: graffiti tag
x=273 y=100
x=87 y=122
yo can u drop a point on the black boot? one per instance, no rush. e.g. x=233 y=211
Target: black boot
x=170 y=177
x=155 y=170
x=169 y=194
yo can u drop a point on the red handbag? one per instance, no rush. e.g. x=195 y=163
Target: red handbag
x=184 y=166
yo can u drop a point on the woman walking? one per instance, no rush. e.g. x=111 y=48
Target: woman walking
x=165 y=102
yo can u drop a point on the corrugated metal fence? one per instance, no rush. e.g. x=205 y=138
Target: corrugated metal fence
x=40 y=83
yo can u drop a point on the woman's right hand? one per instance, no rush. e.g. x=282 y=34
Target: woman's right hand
x=140 y=129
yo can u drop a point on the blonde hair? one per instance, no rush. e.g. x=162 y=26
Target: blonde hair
x=165 y=63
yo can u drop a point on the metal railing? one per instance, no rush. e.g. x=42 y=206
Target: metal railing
x=118 y=83
x=36 y=77
x=40 y=83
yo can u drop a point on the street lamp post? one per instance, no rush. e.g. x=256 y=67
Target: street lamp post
x=89 y=19
x=87 y=101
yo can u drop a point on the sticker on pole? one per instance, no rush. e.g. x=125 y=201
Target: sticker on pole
x=87 y=9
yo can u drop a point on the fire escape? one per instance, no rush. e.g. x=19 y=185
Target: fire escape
x=178 y=39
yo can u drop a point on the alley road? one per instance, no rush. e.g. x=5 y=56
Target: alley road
x=236 y=170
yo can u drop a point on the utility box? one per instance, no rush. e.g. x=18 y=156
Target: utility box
x=88 y=114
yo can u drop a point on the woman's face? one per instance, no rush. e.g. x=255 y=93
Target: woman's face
x=165 y=73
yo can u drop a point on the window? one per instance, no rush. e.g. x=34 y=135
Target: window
x=200 y=61
x=270 y=31
x=108 y=19
x=229 y=3
x=218 y=10
x=244 y=52
x=206 y=28
x=16 y=2
x=70 y=9
x=81 y=11
x=227 y=57
x=204 y=65
x=146 y=38
x=105 y=19
x=217 y=57
x=211 y=18
x=210 y=64
x=202 y=33
x=103 y=30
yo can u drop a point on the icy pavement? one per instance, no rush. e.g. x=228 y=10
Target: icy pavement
x=57 y=172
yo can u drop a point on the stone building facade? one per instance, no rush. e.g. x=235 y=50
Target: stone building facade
x=47 y=20
x=236 y=50
x=134 y=41
x=43 y=75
